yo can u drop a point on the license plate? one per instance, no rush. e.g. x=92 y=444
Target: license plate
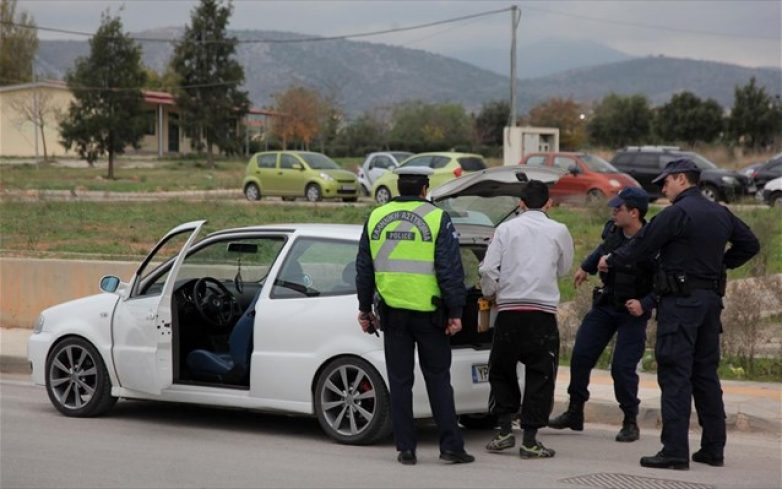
x=349 y=188
x=480 y=373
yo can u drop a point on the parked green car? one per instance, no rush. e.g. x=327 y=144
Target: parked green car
x=291 y=174
x=446 y=166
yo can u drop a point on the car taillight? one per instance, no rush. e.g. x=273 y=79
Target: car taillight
x=457 y=172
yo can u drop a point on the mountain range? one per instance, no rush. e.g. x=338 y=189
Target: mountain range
x=361 y=76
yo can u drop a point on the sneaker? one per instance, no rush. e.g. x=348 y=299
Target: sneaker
x=456 y=457
x=629 y=432
x=536 y=451
x=501 y=442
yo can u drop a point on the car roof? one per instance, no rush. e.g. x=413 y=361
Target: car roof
x=449 y=154
x=320 y=230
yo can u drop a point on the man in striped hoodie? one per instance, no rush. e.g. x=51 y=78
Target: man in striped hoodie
x=520 y=271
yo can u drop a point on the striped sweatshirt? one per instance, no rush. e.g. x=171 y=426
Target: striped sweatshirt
x=524 y=260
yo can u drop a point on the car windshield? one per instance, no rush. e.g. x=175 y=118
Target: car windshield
x=700 y=161
x=598 y=164
x=401 y=155
x=317 y=161
x=478 y=210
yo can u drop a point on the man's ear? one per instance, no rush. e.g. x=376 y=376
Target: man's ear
x=548 y=205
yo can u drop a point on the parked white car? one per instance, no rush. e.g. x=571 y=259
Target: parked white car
x=376 y=164
x=264 y=318
x=771 y=193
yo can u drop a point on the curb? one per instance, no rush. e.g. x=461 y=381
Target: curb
x=10 y=364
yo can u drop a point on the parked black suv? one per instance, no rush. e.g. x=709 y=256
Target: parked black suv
x=646 y=162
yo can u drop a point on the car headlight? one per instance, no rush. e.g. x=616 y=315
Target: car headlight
x=38 y=326
x=729 y=180
x=614 y=183
x=326 y=176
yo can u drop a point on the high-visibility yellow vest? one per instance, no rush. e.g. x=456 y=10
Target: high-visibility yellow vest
x=402 y=237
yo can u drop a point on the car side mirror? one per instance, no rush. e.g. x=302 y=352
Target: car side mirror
x=574 y=170
x=109 y=283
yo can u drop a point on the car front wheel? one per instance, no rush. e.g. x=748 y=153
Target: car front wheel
x=351 y=402
x=76 y=379
x=382 y=195
x=710 y=192
x=252 y=192
x=313 y=193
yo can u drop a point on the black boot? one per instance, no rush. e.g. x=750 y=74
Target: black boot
x=629 y=431
x=573 y=418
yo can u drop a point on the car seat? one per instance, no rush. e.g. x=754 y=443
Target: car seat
x=232 y=367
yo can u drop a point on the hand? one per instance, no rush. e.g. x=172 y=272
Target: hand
x=580 y=277
x=453 y=327
x=602 y=265
x=367 y=321
x=634 y=307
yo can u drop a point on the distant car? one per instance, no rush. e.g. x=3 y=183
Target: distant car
x=292 y=174
x=446 y=166
x=588 y=177
x=644 y=163
x=767 y=171
x=771 y=193
x=376 y=164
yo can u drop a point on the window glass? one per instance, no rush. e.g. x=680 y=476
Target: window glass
x=536 y=161
x=401 y=155
x=419 y=161
x=317 y=267
x=381 y=162
x=472 y=163
x=440 y=162
x=597 y=164
x=700 y=161
x=317 y=161
x=268 y=160
x=564 y=162
x=622 y=159
x=287 y=161
x=152 y=280
x=251 y=258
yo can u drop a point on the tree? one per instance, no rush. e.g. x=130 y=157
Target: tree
x=564 y=114
x=18 y=44
x=418 y=126
x=491 y=121
x=209 y=96
x=620 y=120
x=35 y=107
x=107 y=112
x=300 y=119
x=168 y=81
x=687 y=118
x=756 y=117
x=365 y=134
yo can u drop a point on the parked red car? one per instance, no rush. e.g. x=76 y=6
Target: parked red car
x=588 y=177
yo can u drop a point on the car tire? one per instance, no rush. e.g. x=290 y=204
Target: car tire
x=77 y=381
x=382 y=195
x=776 y=200
x=313 y=193
x=350 y=199
x=482 y=421
x=711 y=192
x=347 y=392
x=252 y=192
x=595 y=196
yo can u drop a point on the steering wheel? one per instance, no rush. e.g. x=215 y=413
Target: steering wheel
x=215 y=303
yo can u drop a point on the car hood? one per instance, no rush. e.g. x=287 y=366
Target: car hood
x=487 y=197
x=94 y=309
x=340 y=174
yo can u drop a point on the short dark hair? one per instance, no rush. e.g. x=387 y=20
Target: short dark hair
x=535 y=194
x=692 y=177
x=411 y=186
x=641 y=212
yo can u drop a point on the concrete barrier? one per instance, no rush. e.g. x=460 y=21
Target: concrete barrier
x=28 y=286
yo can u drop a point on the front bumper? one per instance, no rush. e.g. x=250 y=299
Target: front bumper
x=341 y=189
x=37 y=347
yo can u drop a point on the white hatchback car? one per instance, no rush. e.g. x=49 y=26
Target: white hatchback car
x=264 y=318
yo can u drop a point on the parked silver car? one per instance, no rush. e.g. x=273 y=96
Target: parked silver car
x=375 y=164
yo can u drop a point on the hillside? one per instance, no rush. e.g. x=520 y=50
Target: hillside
x=363 y=75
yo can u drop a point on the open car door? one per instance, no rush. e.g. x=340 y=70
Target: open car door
x=142 y=321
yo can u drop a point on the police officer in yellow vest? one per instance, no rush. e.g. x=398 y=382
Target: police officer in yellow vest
x=409 y=255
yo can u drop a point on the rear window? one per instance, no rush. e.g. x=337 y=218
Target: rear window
x=472 y=163
x=622 y=159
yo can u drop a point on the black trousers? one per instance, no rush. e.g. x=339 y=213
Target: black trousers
x=596 y=330
x=403 y=330
x=688 y=354
x=532 y=338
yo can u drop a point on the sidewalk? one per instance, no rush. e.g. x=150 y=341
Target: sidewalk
x=750 y=406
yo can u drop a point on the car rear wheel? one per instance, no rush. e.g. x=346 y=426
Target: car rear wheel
x=382 y=195
x=76 y=379
x=710 y=192
x=595 y=196
x=776 y=200
x=313 y=193
x=252 y=192
x=351 y=402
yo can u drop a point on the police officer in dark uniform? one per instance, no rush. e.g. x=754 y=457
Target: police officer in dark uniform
x=621 y=306
x=409 y=254
x=691 y=236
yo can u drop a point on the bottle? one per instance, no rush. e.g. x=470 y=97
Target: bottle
x=484 y=307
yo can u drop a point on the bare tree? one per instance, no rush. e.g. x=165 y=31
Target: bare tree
x=35 y=107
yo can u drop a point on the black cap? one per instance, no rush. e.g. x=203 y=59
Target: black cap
x=683 y=165
x=635 y=197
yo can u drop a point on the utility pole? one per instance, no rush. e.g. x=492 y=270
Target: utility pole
x=515 y=13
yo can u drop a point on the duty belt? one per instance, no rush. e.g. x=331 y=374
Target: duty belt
x=702 y=283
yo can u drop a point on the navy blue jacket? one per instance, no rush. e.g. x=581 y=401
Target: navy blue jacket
x=447 y=267
x=691 y=236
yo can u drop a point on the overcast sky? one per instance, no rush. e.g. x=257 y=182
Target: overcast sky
x=744 y=32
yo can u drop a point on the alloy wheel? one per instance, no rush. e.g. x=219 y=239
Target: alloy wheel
x=73 y=376
x=348 y=400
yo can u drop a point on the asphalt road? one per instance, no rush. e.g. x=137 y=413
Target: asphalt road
x=146 y=444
